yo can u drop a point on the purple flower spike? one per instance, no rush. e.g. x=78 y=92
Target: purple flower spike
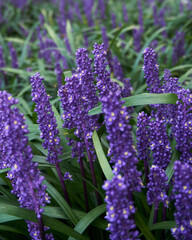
x=120 y=209
x=46 y=119
x=157 y=187
x=178 y=47
x=104 y=83
x=151 y=70
x=125 y=15
x=13 y=55
x=143 y=140
x=183 y=201
x=48 y=126
x=68 y=176
x=119 y=136
x=159 y=143
x=16 y=154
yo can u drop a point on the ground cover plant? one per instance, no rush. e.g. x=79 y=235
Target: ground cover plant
x=95 y=119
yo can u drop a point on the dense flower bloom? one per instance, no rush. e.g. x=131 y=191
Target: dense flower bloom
x=78 y=96
x=104 y=83
x=178 y=46
x=183 y=201
x=16 y=154
x=182 y=127
x=125 y=14
x=122 y=150
x=120 y=209
x=58 y=70
x=46 y=119
x=113 y=20
x=157 y=186
x=104 y=37
x=13 y=55
x=143 y=139
x=151 y=71
x=159 y=143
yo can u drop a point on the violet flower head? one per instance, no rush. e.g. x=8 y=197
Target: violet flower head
x=113 y=20
x=104 y=37
x=151 y=70
x=120 y=210
x=182 y=129
x=157 y=187
x=87 y=7
x=13 y=55
x=78 y=96
x=16 y=154
x=77 y=11
x=143 y=140
x=117 y=69
x=178 y=47
x=46 y=119
x=67 y=176
x=183 y=201
x=2 y=61
x=140 y=18
x=102 y=8
x=137 y=39
x=120 y=140
x=104 y=83
x=125 y=14
x=159 y=143
x=58 y=70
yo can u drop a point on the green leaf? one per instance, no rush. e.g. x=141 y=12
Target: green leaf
x=88 y=219
x=106 y=168
x=4 y=170
x=70 y=36
x=140 y=222
x=7 y=218
x=184 y=76
x=143 y=99
x=162 y=225
x=24 y=51
x=62 y=202
x=31 y=216
x=9 y=229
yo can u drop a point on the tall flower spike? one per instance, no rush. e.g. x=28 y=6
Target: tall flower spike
x=16 y=154
x=143 y=140
x=151 y=71
x=13 y=55
x=159 y=143
x=119 y=190
x=47 y=125
x=104 y=83
x=157 y=188
x=183 y=201
x=78 y=96
x=182 y=126
x=120 y=210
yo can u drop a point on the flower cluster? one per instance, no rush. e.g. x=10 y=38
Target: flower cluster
x=68 y=176
x=78 y=96
x=182 y=129
x=143 y=140
x=16 y=154
x=120 y=209
x=119 y=189
x=178 y=46
x=157 y=186
x=46 y=119
x=151 y=71
x=13 y=55
x=159 y=143
x=183 y=201
x=104 y=83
